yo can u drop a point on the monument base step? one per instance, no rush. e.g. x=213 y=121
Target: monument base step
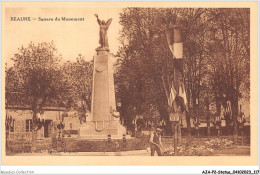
x=121 y=153
x=103 y=137
x=101 y=130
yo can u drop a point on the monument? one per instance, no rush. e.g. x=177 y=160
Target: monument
x=104 y=119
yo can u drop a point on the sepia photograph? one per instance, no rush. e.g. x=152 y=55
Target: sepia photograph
x=110 y=80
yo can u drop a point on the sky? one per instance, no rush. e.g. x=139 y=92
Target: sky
x=70 y=37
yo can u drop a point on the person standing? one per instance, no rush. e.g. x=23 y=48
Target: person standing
x=156 y=142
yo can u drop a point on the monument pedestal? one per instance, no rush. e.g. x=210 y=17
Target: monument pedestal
x=113 y=128
x=103 y=120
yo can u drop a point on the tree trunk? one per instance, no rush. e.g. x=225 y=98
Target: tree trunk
x=34 y=133
x=188 y=124
x=179 y=133
x=35 y=109
x=164 y=114
x=235 y=114
x=188 y=113
x=208 y=118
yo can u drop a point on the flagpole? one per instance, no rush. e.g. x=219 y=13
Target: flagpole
x=177 y=96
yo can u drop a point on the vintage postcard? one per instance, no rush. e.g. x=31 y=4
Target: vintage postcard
x=129 y=83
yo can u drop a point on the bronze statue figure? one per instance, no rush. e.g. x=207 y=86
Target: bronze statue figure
x=103 y=32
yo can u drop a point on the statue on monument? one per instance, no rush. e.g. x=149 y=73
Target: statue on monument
x=103 y=32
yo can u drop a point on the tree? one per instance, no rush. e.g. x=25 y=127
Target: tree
x=77 y=77
x=35 y=79
x=230 y=54
x=215 y=41
x=152 y=59
x=142 y=68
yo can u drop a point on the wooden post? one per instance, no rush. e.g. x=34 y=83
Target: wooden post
x=175 y=139
x=235 y=132
x=179 y=133
x=175 y=135
x=242 y=135
x=174 y=118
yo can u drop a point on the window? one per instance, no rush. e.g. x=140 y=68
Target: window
x=12 y=126
x=28 y=125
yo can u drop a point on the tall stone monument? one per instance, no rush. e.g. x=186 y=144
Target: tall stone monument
x=104 y=119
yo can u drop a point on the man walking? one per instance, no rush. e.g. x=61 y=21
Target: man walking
x=156 y=142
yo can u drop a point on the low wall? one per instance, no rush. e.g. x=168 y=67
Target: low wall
x=80 y=145
x=24 y=146
x=213 y=131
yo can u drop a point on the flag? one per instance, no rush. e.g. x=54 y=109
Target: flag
x=240 y=119
x=172 y=96
x=227 y=109
x=174 y=41
x=182 y=94
x=177 y=50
